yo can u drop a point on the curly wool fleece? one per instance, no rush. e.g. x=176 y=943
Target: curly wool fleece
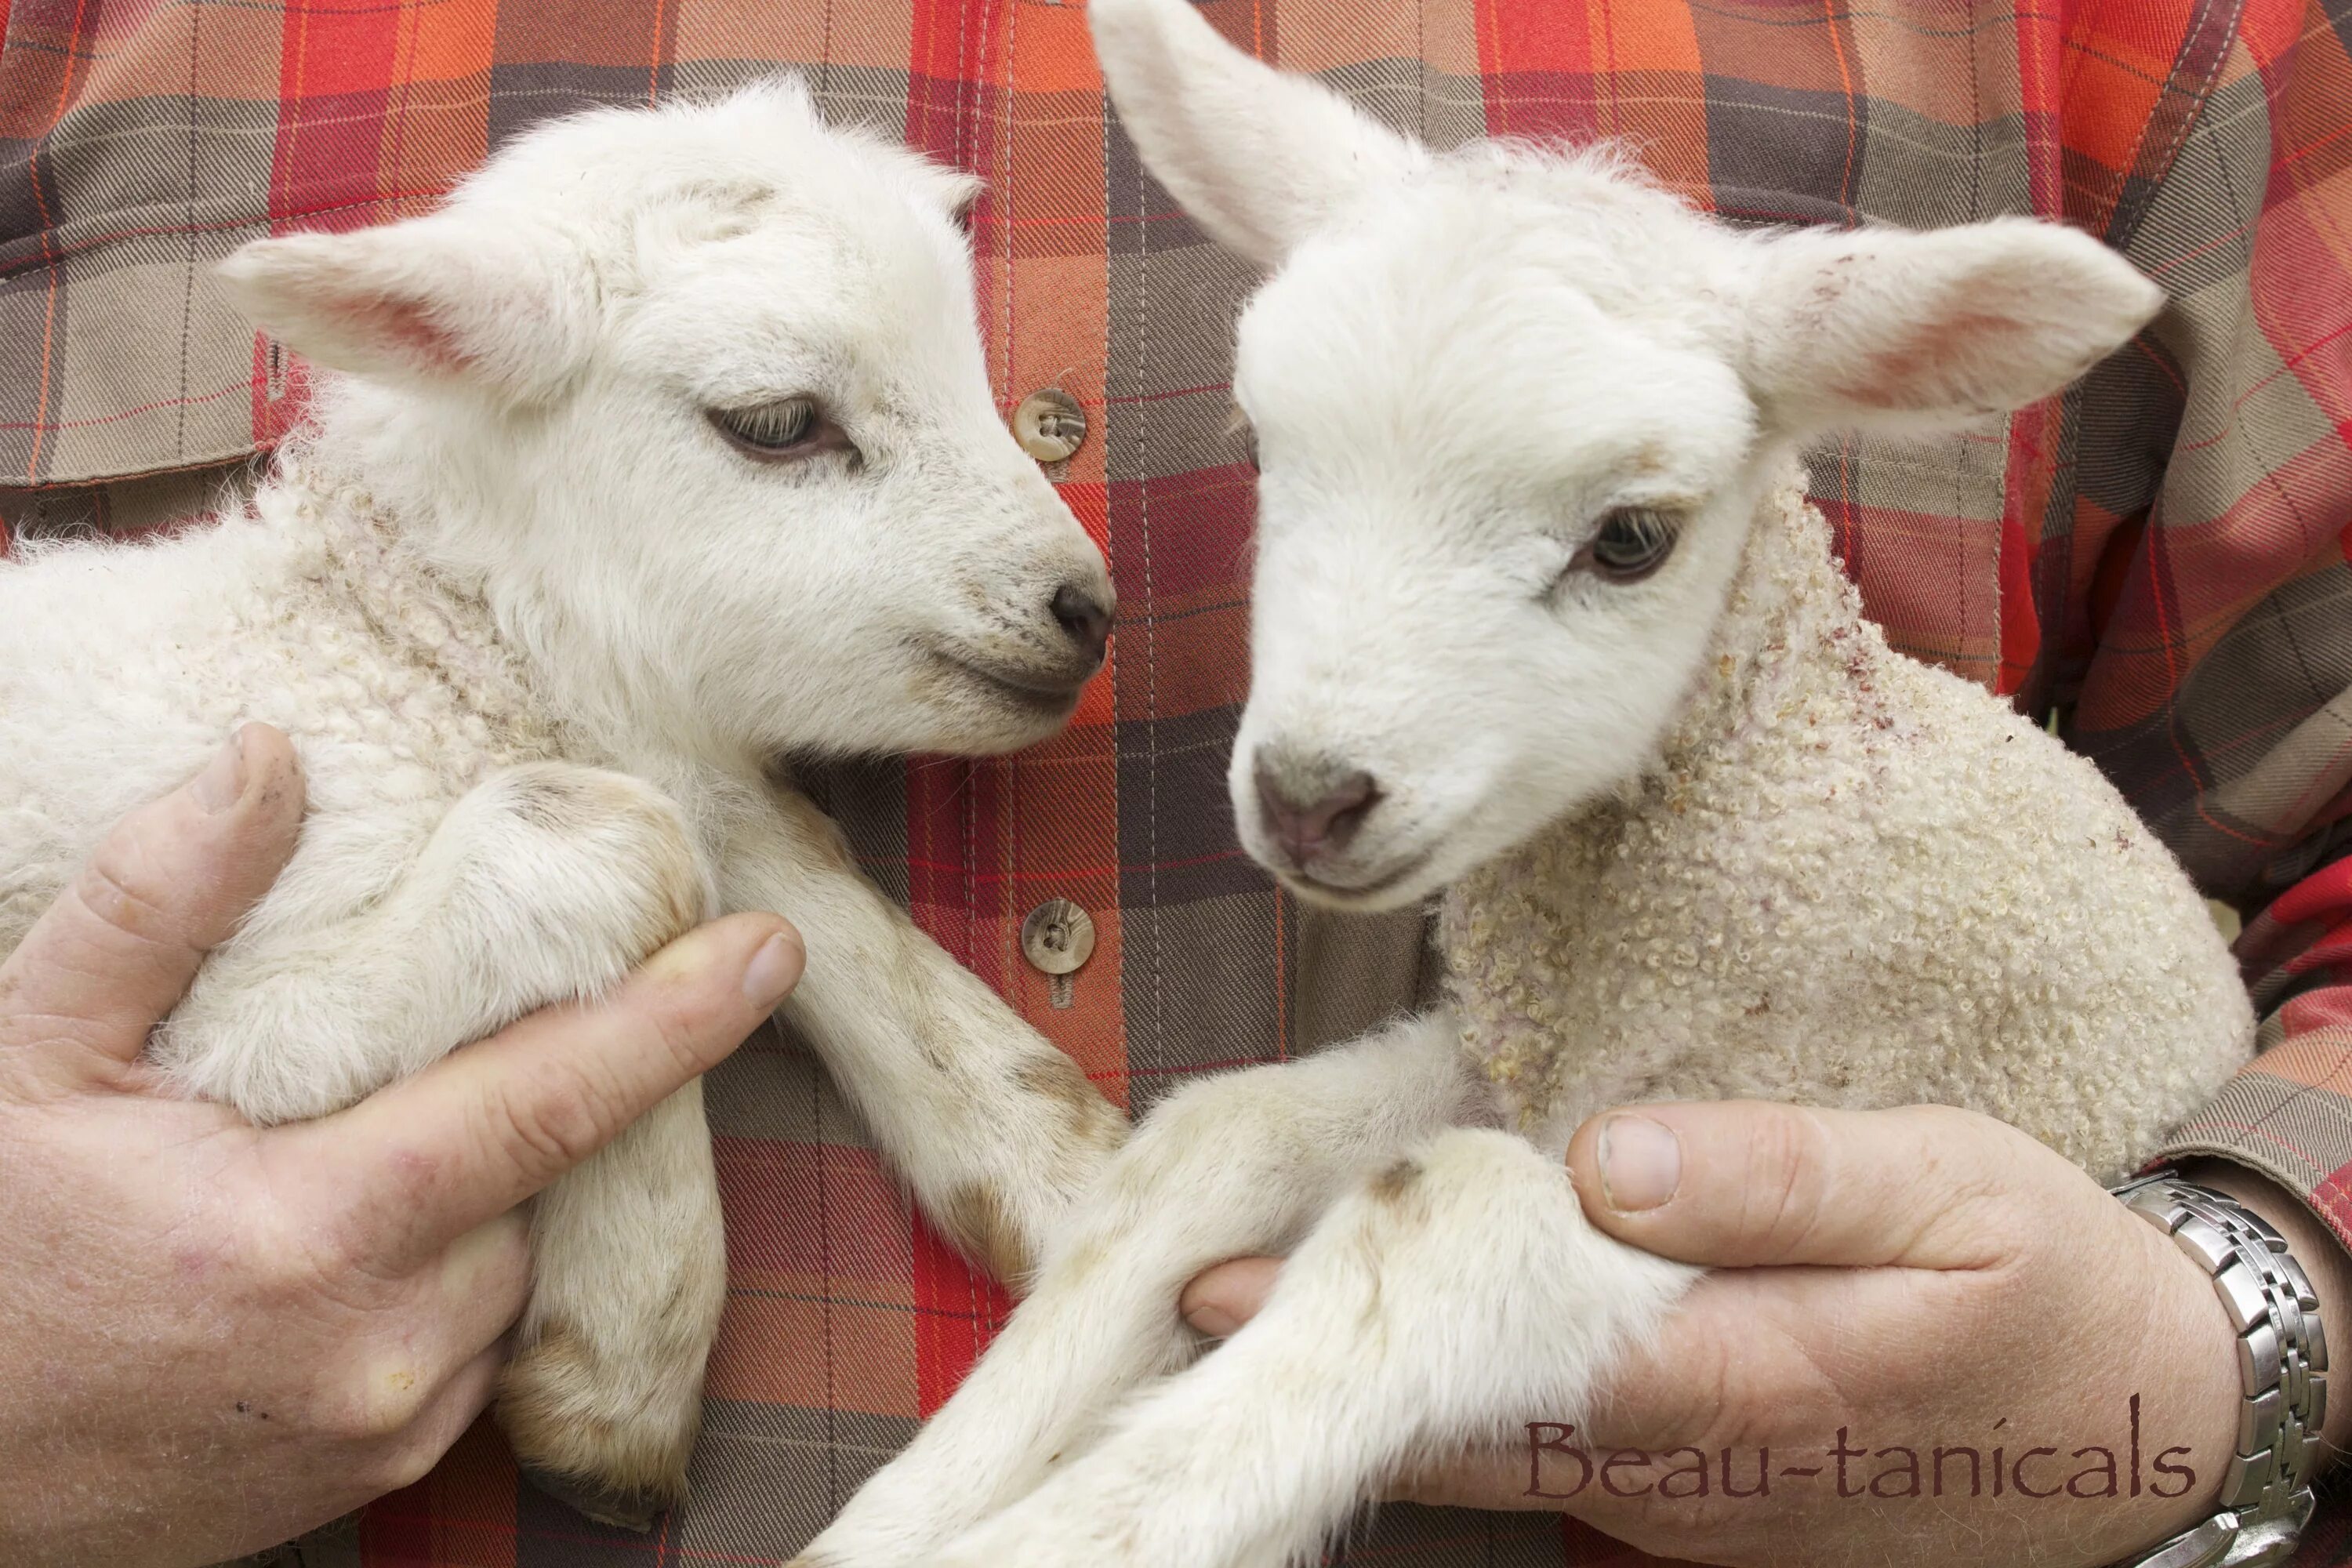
x=1850 y=879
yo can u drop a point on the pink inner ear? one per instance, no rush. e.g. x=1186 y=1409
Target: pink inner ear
x=1928 y=365
x=400 y=327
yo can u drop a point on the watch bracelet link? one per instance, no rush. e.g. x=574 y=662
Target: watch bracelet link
x=2282 y=1366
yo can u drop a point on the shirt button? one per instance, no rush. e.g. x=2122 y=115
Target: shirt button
x=1049 y=424
x=1058 y=937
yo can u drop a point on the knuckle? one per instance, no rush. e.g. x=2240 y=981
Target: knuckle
x=1781 y=1180
x=681 y=1031
x=1969 y=1194
x=681 y=1009
x=544 y=1129
x=113 y=884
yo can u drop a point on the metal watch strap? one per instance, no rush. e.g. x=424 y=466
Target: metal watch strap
x=2282 y=1360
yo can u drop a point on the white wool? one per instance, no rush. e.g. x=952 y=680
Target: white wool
x=1848 y=878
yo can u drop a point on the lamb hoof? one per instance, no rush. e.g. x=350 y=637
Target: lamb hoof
x=626 y=1511
x=590 y=1442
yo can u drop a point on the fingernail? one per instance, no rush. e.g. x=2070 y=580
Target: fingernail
x=1214 y=1320
x=1641 y=1162
x=772 y=972
x=222 y=784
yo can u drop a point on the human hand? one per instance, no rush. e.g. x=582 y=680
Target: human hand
x=215 y=1336
x=1916 y=1280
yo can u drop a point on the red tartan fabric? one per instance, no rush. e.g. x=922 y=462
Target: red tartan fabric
x=2160 y=557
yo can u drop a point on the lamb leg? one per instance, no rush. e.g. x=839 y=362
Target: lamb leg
x=1236 y=1165
x=545 y=882
x=1451 y=1296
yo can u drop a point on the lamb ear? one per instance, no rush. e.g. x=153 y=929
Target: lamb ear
x=1889 y=330
x=438 y=301
x=1258 y=158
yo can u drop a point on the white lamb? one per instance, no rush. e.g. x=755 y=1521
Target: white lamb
x=1542 y=619
x=668 y=452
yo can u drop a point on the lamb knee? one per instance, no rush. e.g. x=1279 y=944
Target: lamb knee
x=624 y=823
x=579 y=861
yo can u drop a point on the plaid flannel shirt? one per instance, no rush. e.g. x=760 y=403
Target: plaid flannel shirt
x=2159 y=557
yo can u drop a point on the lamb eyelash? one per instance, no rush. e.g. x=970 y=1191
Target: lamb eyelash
x=773 y=424
x=781 y=430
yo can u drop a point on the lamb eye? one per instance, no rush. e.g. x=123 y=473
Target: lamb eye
x=787 y=428
x=1632 y=543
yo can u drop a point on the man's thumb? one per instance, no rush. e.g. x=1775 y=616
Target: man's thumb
x=418 y=1164
x=1745 y=1184
x=116 y=951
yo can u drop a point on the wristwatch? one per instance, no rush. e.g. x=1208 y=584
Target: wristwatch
x=2282 y=1360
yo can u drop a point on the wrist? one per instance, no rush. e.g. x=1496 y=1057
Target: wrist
x=2313 y=1245
x=2277 y=1337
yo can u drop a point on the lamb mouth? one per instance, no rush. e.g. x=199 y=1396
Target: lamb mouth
x=1361 y=892
x=1042 y=696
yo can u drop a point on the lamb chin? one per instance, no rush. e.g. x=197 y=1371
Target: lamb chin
x=994 y=729
x=1394 y=889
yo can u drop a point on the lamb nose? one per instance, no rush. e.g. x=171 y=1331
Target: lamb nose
x=1326 y=823
x=1087 y=623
